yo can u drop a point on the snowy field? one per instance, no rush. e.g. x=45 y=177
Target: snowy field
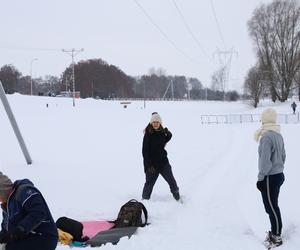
x=87 y=161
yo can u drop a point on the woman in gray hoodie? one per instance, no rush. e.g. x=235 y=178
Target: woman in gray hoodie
x=271 y=158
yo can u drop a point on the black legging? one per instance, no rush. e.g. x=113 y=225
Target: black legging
x=270 y=192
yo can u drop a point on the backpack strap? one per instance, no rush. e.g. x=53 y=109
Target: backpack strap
x=144 y=211
x=146 y=215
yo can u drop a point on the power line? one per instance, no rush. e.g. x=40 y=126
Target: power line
x=162 y=32
x=217 y=22
x=28 y=48
x=188 y=28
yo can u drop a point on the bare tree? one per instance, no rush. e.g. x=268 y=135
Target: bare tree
x=159 y=71
x=9 y=76
x=275 y=30
x=253 y=85
x=297 y=84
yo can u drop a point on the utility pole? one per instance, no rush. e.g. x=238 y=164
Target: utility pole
x=172 y=88
x=92 y=89
x=225 y=58
x=31 y=62
x=73 y=52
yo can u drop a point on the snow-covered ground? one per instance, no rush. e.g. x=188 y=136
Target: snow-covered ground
x=87 y=162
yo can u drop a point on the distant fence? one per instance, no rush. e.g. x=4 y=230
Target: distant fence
x=147 y=99
x=246 y=118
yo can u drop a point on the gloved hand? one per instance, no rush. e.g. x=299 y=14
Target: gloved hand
x=260 y=185
x=151 y=170
x=17 y=234
x=167 y=132
x=4 y=237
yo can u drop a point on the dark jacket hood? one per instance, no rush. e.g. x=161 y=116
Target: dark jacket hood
x=22 y=182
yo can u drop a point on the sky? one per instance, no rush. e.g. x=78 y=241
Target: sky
x=181 y=36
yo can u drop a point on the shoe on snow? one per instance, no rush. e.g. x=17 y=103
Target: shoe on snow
x=176 y=196
x=276 y=240
x=272 y=240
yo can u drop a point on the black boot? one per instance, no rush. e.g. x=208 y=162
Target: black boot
x=176 y=195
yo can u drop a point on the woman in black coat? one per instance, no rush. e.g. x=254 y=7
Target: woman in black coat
x=155 y=157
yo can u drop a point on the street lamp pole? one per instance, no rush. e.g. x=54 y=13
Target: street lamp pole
x=35 y=59
x=144 y=94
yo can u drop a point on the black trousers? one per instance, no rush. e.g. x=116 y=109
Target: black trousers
x=151 y=178
x=34 y=242
x=270 y=188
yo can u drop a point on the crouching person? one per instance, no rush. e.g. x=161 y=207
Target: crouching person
x=27 y=222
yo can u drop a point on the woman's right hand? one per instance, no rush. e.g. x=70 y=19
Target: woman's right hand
x=151 y=170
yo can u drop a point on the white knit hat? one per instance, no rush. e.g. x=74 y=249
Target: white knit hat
x=155 y=118
x=269 y=116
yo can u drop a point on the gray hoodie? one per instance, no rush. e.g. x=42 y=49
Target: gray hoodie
x=271 y=154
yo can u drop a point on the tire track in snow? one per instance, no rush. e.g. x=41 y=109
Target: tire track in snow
x=213 y=199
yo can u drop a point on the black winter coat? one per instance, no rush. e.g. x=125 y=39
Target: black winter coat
x=27 y=208
x=154 y=142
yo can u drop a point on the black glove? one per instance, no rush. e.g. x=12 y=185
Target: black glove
x=260 y=185
x=151 y=170
x=17 y=234
x=167 y=132
x=4 y=237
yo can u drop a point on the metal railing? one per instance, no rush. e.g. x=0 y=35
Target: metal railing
x=247 y=118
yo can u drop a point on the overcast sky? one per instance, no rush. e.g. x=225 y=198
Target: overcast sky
x=180 y=36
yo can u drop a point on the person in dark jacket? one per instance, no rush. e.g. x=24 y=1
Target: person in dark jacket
x=271 y=159
x=294 y=106
x=27 y=222
x=155 y=157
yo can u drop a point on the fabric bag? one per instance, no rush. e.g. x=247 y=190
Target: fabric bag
x=70 y=226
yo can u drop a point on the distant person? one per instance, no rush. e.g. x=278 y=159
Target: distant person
x=294 y=106
x=271 y=155
x=155 y=157
x=27 y=222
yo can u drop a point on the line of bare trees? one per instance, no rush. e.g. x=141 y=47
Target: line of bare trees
x=96 y=78
x=13 y=81
x=275 y=32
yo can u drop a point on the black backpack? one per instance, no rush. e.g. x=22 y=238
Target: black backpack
x=130 y=215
